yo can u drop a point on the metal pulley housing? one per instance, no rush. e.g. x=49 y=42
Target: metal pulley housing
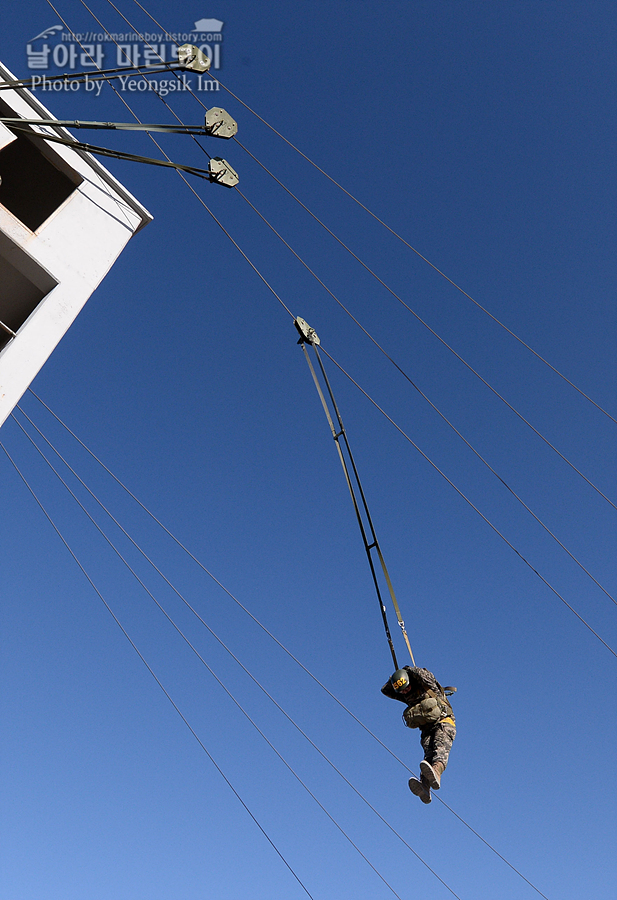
x=220 y=124
x=307 y=334
x=222 y=172
x=191 y=58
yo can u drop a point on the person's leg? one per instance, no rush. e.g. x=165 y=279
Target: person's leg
x=436 y=742
x=418 y=788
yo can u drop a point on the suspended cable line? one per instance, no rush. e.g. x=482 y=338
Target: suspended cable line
x=368 y=269
x=397 y=297
x=217 y=175
x=172 y=68
x=380 y=221
x=151 y=671
x=81 y=77
x=250 y=675
x=547 y=583
x=469 y=502
x=428 y=327
x=107 y=126
x=314 y=678
x=428 y=400
x=493 y=527
x=200 y=199
x=417 y=252
x=362 y=527
x=190 y=187
x=119 y=154
x=290 y=314
x=234 y=657
x=194 y=558
x=402 y=432
x=451 y=349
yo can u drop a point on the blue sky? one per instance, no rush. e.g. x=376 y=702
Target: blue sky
x=484 y=135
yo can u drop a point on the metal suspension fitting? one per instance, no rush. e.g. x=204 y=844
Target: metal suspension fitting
x=222 y=173
x=220 y=124
x=307 y=334
x=191 y=58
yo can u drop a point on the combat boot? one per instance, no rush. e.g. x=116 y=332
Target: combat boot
x=431 y=774
x=420 y=790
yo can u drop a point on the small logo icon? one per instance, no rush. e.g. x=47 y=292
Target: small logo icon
x=210 y=25
x=47 y=33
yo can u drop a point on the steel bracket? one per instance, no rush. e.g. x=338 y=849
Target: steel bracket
x=220 y=124
x=307 y=334
x=222 y=172
x=191 y=58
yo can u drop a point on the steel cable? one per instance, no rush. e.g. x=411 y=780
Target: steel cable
x=151 y=671
x=587 y=480
x=417 y=252
x=425 y=324
x=433 y=332
x=428 y=400
x=236 y=659
x=136 y=117
x=241 y=251
x=368 y=269
x=270 y=634
x=469 y=502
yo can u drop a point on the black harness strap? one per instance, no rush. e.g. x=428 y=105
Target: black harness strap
x=369 y=537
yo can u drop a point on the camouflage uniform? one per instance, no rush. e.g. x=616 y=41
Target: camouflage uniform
x=436 y=739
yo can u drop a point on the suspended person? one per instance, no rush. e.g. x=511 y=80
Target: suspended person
x=428 y=709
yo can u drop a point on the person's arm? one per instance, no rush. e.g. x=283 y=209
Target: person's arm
x=388 y=691
x=426 y=678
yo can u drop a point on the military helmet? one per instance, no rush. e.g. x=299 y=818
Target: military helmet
x=400 y=680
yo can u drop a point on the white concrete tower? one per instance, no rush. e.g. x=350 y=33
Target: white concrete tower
x=64 y=220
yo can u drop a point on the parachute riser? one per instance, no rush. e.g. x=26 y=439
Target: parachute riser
x=369 y=538
x=367 y=548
